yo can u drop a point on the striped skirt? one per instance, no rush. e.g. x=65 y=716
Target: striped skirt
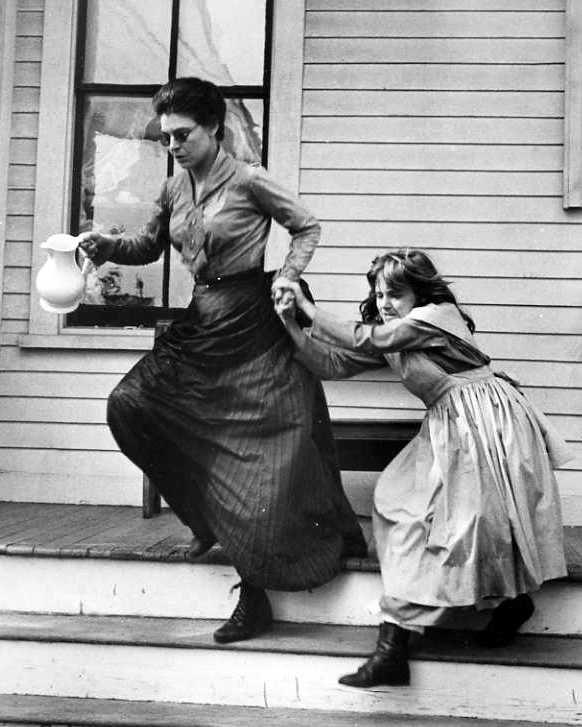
x=236 y=436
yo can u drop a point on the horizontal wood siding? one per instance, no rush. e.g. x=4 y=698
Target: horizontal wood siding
x=435 y=123
x=441 y=125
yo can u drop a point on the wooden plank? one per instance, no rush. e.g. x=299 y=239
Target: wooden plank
x=63 y=462
x=21 y=176
x=32 y=409
x=504 y=104
x=369 y=393
x=443 y=5
x=454 y=263
x=15 y=306
x=25 y=125
x=115 y=712
x=22 y=151
x=469 y=291
x=16 y=280
x=76 y=386
x=428 y=24
x=355 y=181
x=402 y=76
x=454 y=235
x=494 y=318
x=433 y=130
x=17 y=252
x=439 y=208
x=434 y=50
x=26 y=99
x=19 y=229
x=61 y=436
x=28 y=49
x=30 y=23
x=473 y=157
x=14 y=358
x=27 y=73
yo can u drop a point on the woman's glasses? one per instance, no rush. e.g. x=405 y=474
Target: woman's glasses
x=180 y=136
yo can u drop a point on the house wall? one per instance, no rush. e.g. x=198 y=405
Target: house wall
x=420 y=126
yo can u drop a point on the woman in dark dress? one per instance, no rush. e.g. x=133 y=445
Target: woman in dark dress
x=232 y=430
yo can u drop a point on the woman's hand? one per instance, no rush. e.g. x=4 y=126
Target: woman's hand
x=285 y=290
x=97 y=247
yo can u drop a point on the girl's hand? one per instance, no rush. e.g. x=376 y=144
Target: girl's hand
x=281 y=286
x=97 y=247
x=285 y=305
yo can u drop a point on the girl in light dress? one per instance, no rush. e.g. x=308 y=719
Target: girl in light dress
x=468 y=513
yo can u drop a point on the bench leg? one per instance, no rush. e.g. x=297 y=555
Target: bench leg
x=151 y=500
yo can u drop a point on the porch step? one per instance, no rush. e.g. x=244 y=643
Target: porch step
x=109 y=561
x=73 y=712
x=295 y=666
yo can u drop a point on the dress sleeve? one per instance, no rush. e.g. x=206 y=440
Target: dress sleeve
x=149 y=243
x=331 y=362
x=288 y=211
x=400 y=334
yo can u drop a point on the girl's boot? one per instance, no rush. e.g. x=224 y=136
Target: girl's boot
x=506 y=621
x=251 y=616
x=388 y=664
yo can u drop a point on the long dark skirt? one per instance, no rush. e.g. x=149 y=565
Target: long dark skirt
x=236 y=436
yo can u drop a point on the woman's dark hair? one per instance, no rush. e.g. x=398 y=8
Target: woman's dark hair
x=413 y=269
x=201 y=100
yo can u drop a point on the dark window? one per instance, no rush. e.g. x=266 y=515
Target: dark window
x=126 y=50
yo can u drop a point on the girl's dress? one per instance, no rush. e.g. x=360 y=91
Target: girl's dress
x=468 y=513
x=232 y=430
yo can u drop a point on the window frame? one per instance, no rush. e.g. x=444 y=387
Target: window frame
x=55 y=154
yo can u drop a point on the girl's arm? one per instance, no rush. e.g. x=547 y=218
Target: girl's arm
x=327 y=361
x=396 y=335
x=289 y=212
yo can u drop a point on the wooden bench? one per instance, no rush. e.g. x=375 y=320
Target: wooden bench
x=366 y=446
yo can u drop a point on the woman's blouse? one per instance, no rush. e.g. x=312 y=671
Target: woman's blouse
x=225 y=230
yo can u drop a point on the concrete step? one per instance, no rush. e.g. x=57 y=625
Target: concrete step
x=294 y=666
x=73 y=712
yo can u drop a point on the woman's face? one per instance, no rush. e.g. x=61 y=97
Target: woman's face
x=393 y=303
x=192 y=145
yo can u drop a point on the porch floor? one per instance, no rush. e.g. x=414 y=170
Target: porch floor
x=121 y=533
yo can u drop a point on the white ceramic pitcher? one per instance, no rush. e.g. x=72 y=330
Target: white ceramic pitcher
x=60 y=282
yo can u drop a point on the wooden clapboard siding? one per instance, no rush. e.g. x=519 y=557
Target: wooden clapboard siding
x=440 y=125
x=21 y=173
x=430 y=123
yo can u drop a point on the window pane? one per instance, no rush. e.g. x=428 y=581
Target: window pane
x=222 y=41
x=243 y=133
x=128 y=41
x=123 y=167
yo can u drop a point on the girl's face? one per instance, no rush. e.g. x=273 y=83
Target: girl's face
x=192 y=145
x=393 y=303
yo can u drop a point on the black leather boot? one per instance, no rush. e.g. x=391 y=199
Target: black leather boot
x=388 y=664
x=251 y=617
x=506 y=621
x=199 y=546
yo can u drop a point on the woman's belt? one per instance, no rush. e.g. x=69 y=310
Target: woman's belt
x=208 y=281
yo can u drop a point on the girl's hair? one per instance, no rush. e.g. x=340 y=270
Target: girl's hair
x=201 y=100
x=413 y=269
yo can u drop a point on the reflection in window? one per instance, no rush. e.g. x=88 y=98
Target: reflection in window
x=119 y=164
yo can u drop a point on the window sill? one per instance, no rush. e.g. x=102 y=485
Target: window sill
x=126 y=340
